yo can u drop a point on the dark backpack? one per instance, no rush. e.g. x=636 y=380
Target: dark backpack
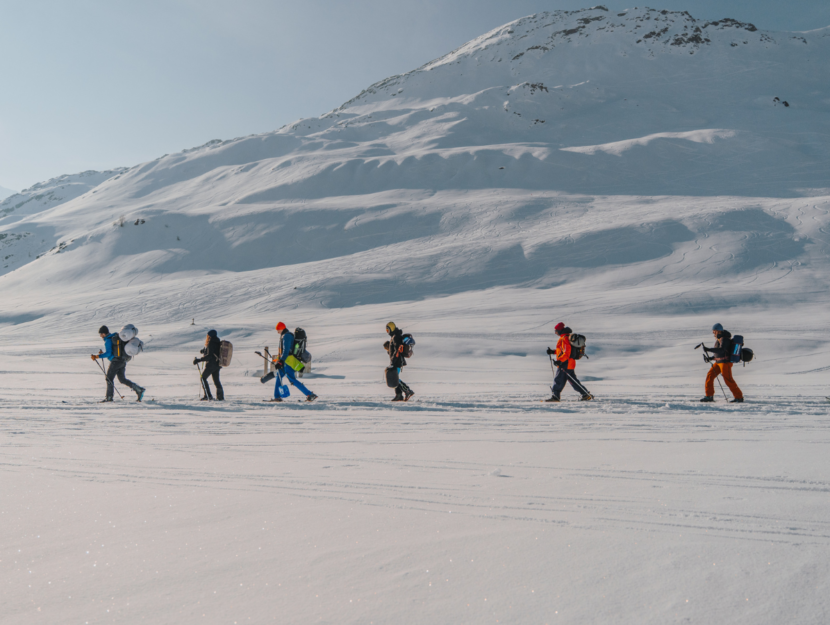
x=577 y=346
x=735 y=348
x=118 y=352
x=300 y=341
x=408 y=346
x=740 y=353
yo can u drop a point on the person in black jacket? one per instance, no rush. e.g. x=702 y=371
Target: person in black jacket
x=721 y=353
x=211 y=358
x=396 y=359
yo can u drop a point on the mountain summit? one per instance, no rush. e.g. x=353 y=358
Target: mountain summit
x=558 y=150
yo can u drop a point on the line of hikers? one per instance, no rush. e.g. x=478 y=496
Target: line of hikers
x=293 y=358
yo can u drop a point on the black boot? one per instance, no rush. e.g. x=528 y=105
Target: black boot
x=553 y=398
x=398 y=398
x=737 y=400
x=708 y=398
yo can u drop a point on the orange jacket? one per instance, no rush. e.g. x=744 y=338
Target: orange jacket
x=563 y=351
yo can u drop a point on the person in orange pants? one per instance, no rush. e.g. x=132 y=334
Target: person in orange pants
x=721 y=354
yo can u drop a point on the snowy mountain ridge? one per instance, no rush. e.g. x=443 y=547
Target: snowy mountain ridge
x=650 y=27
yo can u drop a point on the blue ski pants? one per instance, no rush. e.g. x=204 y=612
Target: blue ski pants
x=288 y=372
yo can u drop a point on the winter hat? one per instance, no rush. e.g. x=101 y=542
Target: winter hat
x=391 y=327
x=212 y=333
x=280 y=326
x=717 y=328
x=559 y=327
x=567 y=331
x=103 y=330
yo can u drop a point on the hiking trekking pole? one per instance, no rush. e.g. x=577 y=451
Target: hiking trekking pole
x=577 y=382
x=707 y=361
x=101 y=367
x=722 y=389
x=201 y=380
x=270 y=375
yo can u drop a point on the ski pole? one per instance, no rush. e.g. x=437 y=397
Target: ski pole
x=201 y=380
x=722 y=389
x=577 y=382
x=270 y=375
x=115 y=388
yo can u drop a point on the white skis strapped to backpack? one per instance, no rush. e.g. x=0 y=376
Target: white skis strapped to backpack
x=225 y=353
x=133 y=345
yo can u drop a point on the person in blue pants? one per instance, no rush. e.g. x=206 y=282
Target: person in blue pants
x=284 y=370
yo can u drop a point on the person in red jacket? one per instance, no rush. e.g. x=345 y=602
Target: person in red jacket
x=565 y=366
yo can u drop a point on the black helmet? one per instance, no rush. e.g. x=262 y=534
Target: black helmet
x=103 y=330
x=212 y=333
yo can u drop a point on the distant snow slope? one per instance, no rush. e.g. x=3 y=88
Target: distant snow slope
x=604 y=164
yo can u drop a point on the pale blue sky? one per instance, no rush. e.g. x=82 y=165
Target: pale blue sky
x=95 y=84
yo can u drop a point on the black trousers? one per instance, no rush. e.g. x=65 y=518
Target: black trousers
x=564 y=376
x=401 y=388
x=117 y=368
x=212 y=370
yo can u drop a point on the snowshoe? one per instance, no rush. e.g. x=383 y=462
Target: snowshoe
x=311 y=397
x=206 y=398
x=586 y=397
x=408 y=394
x=708 y=398
x=553 y=398
x=273 y=399
x=104 y=401
x=398 y=398
x=140 y=393
x=737 y=400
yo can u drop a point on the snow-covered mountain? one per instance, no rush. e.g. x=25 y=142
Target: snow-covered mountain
x=639 y=175
x=644 y=161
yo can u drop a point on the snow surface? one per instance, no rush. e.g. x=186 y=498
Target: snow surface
x=635 y=174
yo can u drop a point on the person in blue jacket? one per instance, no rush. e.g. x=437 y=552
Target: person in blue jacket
x=284 y=370
x=114 y=351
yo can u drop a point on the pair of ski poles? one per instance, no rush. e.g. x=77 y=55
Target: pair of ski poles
x=202 y=381
x=269 y=360
x=707 y=361
x=101 y=367
x=574 y=380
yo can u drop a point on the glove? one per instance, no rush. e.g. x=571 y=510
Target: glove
x=279 y=365
x=94 y=357
x=557 y=363
x=195 y=361
x=203 y=350
x=550 y=352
